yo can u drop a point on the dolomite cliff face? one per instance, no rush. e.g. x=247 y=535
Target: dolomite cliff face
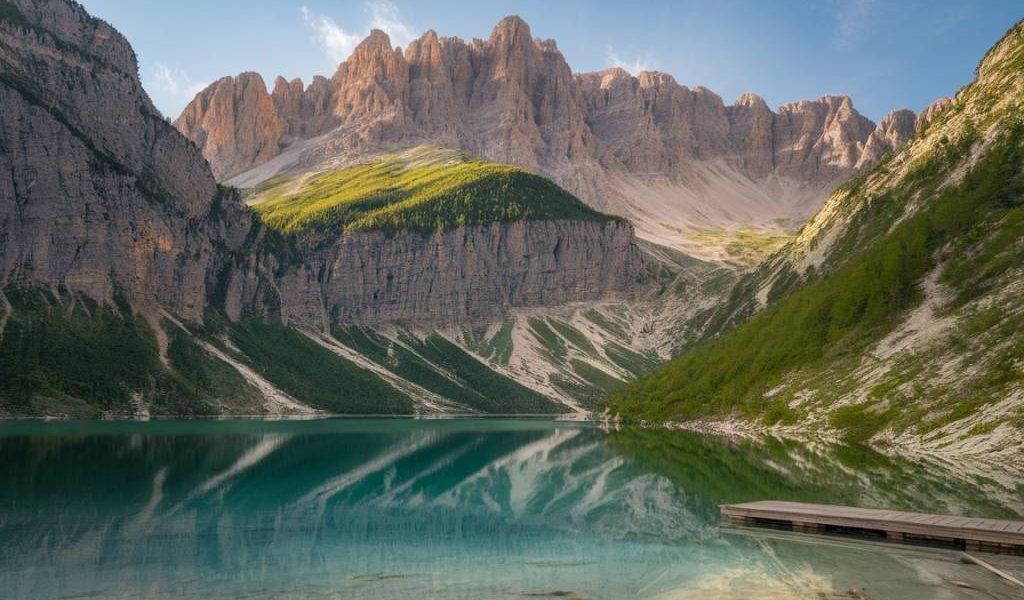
x=510 y=99
x=468 y=276
x=645 y=147
x=99 y=195
x=896 y=128
x=254 y=130
x=97 y=192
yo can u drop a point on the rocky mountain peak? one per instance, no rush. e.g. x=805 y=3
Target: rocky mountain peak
x=235 y=122
x=510 y=31
x=373 y=58
x=655 y=79
x=892 y=132
x=933 y=109
x=514 y=99
x=750 y=100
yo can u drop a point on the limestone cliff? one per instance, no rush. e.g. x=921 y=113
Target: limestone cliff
x=97 y=192
x=895 y=129
x=120 y=256
x=466 y=277
x=645 y=147
x=235 y=122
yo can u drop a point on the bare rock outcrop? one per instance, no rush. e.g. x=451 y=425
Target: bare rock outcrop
x=97 y=192
x=466 y=276
x=892 y=132
x=933 y=109
x=235 y=122
x=817 y=139
x=101 y=196
x=620 y=142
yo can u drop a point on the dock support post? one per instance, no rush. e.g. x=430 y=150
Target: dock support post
x=803 y=527
x=896 y=536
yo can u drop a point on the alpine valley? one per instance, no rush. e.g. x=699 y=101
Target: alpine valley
x=471 y=227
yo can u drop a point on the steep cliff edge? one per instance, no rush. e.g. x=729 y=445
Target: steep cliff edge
x=894 y=316
x=97 y=192
x=431 y=235
x=131 y=284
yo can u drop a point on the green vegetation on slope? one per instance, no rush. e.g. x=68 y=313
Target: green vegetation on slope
x=498 y=348
x=313 y=374
x=497 y=394
x=441 y=367
x=68 y=355
x=71 y=347
x=217 y=385
x=717 y=471
x=423 y=189
x=746 y=247
x=838 y=315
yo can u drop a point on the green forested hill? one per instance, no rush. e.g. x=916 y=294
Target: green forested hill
x=900 y=308
x=421 y=189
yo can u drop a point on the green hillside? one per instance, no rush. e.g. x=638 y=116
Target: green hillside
x=946 y=208
x=422 y=189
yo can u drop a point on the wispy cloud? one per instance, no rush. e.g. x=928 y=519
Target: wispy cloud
x=338 y=43
x=386 y=17
x=853 y=19
x=174 y=81
x=633 y=66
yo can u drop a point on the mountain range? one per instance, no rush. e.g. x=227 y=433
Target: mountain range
x=894 y=315
x=665 y=156
x=461 y=227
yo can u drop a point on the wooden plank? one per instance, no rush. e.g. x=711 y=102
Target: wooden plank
x=967 y=558
x=997 y=531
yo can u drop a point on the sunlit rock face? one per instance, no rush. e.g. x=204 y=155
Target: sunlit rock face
x=623 y=143
x=236 y=122
x=97 y=192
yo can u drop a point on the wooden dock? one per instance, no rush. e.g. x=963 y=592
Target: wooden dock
x=963 y=533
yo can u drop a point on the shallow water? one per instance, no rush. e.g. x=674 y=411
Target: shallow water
x=467 y=508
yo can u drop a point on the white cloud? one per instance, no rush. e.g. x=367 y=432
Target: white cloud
x=632 y=66
x=338 y=43
x=853 y=19
x=387 y=18
x=174 y=81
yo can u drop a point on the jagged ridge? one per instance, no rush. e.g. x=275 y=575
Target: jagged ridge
x=621 y=143
x=900 y=308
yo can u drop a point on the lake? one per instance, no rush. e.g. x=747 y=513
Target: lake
x=457 y=508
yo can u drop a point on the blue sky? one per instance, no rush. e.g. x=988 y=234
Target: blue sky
x=885 y=54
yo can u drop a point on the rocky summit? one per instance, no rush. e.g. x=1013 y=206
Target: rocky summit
x=895 y=316
x=645 y=147
x=118 y=246
x=470 y=227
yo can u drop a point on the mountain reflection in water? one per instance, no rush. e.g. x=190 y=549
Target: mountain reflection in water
x=472 y=508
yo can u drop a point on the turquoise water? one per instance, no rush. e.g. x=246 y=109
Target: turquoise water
x=469 y=508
